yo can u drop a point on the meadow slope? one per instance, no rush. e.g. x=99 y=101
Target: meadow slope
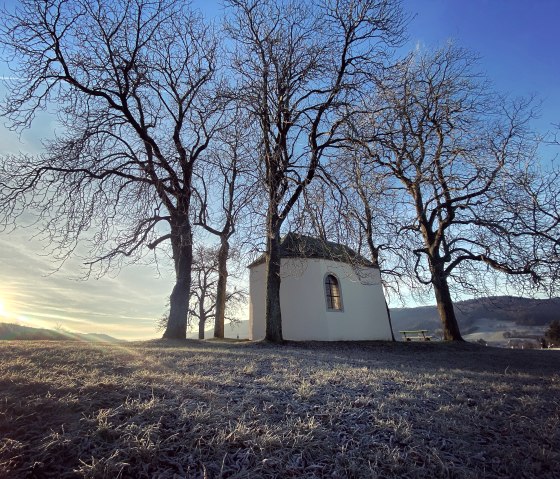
x=250 y=410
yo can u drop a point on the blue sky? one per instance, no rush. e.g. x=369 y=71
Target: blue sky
x=517 y=41
x=518 y=44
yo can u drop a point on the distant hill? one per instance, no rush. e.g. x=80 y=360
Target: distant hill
x=483 y=314
x=10 y=331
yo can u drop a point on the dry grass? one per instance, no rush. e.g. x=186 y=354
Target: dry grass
x=213 y=409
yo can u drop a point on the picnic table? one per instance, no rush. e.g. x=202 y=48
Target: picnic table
x=416 y=335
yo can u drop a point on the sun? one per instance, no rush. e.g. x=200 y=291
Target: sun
x=2 y=308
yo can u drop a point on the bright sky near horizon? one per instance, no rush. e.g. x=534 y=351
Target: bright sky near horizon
x=520 y=52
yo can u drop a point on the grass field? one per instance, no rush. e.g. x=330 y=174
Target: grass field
x=251 y=410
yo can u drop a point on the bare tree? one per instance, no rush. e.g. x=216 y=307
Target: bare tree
x=300 y=64
x=204 y=302
x=227 y=187
x=452 y=145
x=132 y=82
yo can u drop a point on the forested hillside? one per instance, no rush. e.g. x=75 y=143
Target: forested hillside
x=521 y=312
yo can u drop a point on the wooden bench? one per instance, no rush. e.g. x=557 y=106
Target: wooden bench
x=417 y=335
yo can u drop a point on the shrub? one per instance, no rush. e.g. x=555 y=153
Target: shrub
x=553 y=332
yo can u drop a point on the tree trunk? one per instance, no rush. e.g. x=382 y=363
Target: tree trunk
x=445 y=305
x=374 y=252
x=273 y=312
x=179 y=299
x=223 y=254
x=179 y=306
x=201 y=313
x=201 y=324
x=390 y=322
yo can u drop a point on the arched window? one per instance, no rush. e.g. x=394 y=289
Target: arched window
x=332 y=292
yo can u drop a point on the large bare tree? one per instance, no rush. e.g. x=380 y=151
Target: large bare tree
x=226 y=187
x=451 y=146
x=300 y=65
x=133 y=84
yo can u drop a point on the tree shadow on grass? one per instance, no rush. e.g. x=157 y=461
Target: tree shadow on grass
x=299 y=410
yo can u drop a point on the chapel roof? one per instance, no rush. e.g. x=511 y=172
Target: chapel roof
x=295 y=245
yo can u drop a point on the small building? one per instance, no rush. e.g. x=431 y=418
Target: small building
x=328 y=293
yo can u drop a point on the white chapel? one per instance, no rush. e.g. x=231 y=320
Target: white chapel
x=328 y=293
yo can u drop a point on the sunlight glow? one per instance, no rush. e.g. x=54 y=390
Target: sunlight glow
x=3 y=311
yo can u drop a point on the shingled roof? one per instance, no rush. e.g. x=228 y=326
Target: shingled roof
x=295 y=245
